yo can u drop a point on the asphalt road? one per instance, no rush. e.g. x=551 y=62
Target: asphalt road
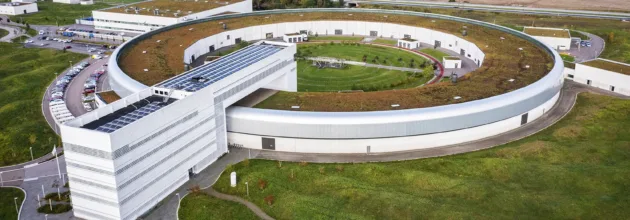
x=588 y=53
x=74 y=91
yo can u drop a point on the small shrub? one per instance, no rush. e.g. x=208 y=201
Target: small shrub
x=269 y=199
x=262 y=184
x=303 y=163
x=279 y=164
x=339 y=168
x=194 y=189
x=246 y=162
x=292 y=175
x=322 y=170
x=56 y=208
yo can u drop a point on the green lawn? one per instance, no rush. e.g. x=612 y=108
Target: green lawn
x=578 y=168
x=195 y=206
x=7 y=203
x=567 y=58
x=334 y=38
x=24 y=75
x=50 y=13
x=19 y=39
x=434 y=53
x=385 y=41
x=3 y=33
x=313 y=79
x=355 y=52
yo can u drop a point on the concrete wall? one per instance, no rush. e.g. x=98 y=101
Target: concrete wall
x=67 y=1
x=602 y=79
x=17 y=9
x=348 y=28
x=449 y=64
x=555 y=42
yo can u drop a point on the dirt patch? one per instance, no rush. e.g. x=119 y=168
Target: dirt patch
x=571 y=131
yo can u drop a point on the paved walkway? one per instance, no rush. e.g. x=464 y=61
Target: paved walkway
x=259 y=212
x=13 y=33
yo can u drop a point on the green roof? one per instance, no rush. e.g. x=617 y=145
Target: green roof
x=451 y=58
x=543 y=32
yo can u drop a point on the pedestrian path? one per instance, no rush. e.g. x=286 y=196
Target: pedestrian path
x=355 y=63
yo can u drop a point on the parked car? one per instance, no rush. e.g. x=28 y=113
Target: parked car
x=88 y=98
x=41 y=32
x=68 y=47
x=89 y=90
x=43 y=44
x=97 y=57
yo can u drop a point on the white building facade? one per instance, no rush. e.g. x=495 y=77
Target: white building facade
x=558 y=43
x=408 y=43
x=138 y=23
x=451 y=62
x=17 y=8
x=601 y=78
x=67 y=1
x=123 y=158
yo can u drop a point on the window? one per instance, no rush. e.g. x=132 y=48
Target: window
x=588 y=82
x=237 y=40
x=228 y=37
x=338 y=32
x=570 y=76
x=269 y=35
x=524 y=119
x=303 y=32
x=407 y=36
x=612 y=88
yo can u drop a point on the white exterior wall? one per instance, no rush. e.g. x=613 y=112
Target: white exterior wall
x=305 y=145
x=423 y=35
x=24 y=1
x=67 y=1
x=555 y=42
x=137 y=23
x=408 y=44
x=450 y=64
x=17 y=9
x=602 y=79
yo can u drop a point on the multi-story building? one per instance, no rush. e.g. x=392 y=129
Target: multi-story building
x=122 y=159
x=17 y=8
x=150 y=15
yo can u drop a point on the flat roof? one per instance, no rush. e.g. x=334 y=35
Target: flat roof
x=409 y=39
x=547 y=32
x=220 y=68
x=167 y=8
x=129 y=114
x=609 y=65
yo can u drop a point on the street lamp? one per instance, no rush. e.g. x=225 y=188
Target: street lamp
x=46 y=217
x=16 y=207
x=31 y=148
x=1 y=182
x=178 y=198
x=247 y=184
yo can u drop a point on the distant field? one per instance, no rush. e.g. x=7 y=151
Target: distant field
x=600 y=5
x=576 y=169
x=24 y=75
x=63 y=14
x=313 y=79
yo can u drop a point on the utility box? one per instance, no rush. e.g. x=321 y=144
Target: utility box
x=233 y=179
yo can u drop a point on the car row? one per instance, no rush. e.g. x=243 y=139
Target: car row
x=585 y=43
x=61 y=84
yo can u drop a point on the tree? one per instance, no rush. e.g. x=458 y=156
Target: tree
x=427 y=71
x=341 y=3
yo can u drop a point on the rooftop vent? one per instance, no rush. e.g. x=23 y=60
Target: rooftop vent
x=199 y=79
x=295 y=107
x=395 y=105
x=457 y=97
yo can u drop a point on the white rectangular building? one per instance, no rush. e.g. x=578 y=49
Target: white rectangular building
x=604 y=74
x=125 y=157
x=295 y=37
x=560 y=39
x=17 y=8
x=408 y=43
x=146 y=16
x=67 y=1
x=451 y=62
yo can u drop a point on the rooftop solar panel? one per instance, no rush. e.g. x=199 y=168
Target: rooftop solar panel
x=220 y=68
x=128 y=115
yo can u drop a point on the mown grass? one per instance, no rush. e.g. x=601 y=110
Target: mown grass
x=385 y=41
x=56 y=13
x=24 y=75
x=438 y=55
x=356 y=52
x=3 y=33
x=195 y=206
x=7 y=205
x=567 y=57
x=334 y=38
x=313 y=79
x=578 y=168
x=19 y=39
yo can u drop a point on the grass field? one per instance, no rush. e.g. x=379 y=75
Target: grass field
x=576 y=169
x=313 y=79
x=7 y=203
x=195 y=206
x=335 y=38
x=567 y=58
x=434 y=53
x=19 y=39
x=56 y=13
x=24 y=75
x=356 y=52
x=3 y=33
x=385 y=41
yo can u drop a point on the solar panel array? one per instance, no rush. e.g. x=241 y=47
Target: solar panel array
x=220 y=68
x=130 y=117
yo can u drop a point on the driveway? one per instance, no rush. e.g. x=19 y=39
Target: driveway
x=74 y=92
x=582 y=54
x=13 y=33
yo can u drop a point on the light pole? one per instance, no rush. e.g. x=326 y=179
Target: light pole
x=16 y=207
x=178 y=198
x=57 y=158
x=31 y=148
x=1 y=182
x=247 y=186
x=46 y=217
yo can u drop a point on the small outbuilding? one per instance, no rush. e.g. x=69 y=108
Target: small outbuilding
x=408 y=43
x=452 y=62
x=295 y=38
x=17 y=8
x=559 y=39
x=604 y=74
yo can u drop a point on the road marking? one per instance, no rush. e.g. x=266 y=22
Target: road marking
x=30 y=179
x=31 y=165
